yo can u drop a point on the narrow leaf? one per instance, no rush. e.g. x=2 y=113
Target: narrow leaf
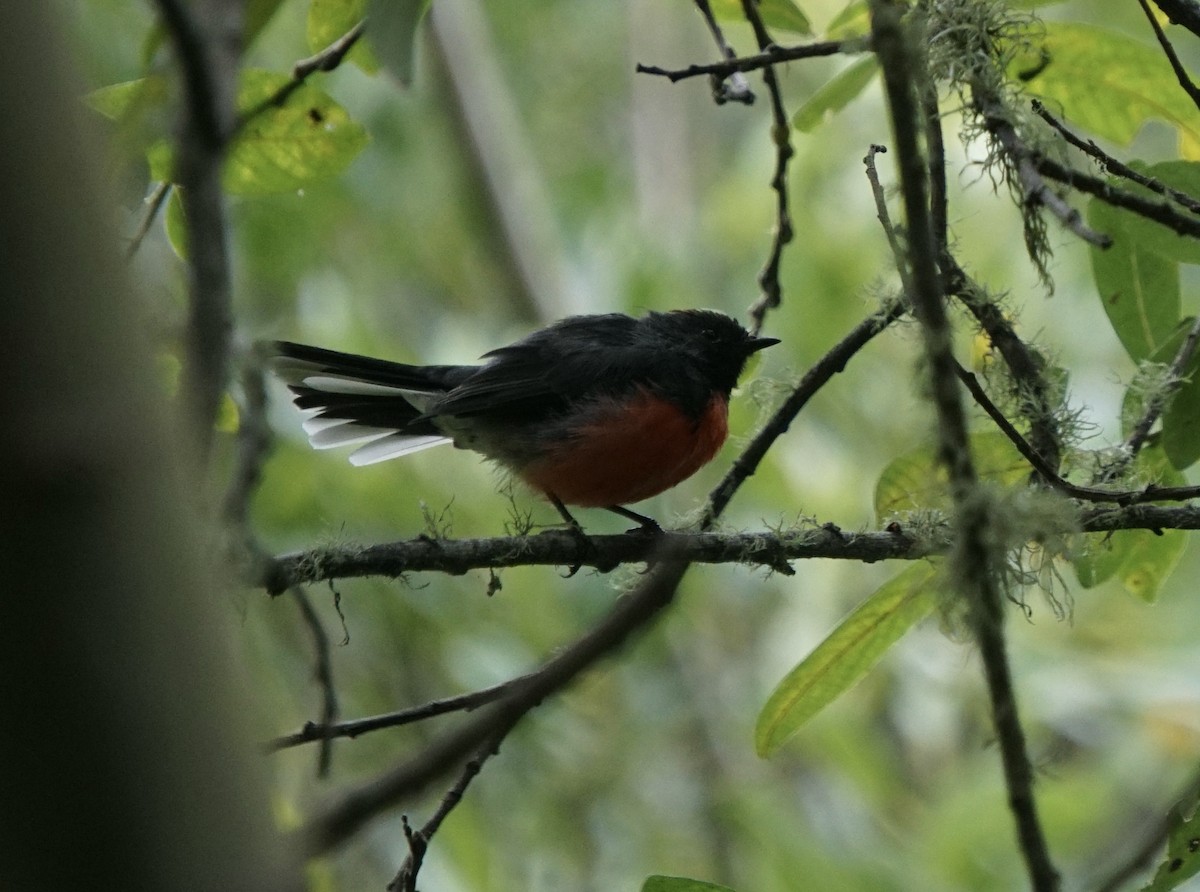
x=393 y=34
x=843 y=658
x=835 y=94
x=783 y=15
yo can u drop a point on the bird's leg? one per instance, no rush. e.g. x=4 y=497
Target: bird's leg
x=574 y=527
x=647 y=525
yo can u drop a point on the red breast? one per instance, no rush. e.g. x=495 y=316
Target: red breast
x=629 y=451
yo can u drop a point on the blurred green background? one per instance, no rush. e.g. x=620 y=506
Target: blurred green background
x=528 y=173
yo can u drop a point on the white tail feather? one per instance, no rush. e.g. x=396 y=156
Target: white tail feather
x=346 y=434
x=393 y=446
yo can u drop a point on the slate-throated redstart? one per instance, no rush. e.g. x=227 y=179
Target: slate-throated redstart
x=597 y=411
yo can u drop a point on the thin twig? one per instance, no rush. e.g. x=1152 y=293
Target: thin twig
x=781 y=136
x=1181 y=73
x=322 y=672
x=207 y=50
x=773 y=55
x=154 y=203
x=1160 y=212
x=1113 y=165
x=313 y=731
x=418 y=841
x=972 y=555
x=1176 y=375
x=326 y=60
x=1029 y=173
x=731 y=87
x=1182 y=12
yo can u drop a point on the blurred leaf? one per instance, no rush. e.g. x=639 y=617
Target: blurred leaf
x=1181 y=421
x=1111 y=83
x=393 y=34
x=853 y=21
x=680 y=884
x=846 y=655
x=1182 y=860
x=330 y=19
x=117 y=101
x=1141 y=559
x=916 y=481
x=782 y=14
x=835 y=94
x=281 y=149
x=258 y=14
x=175 y=223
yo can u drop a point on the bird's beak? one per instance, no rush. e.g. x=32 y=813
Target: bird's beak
x=755 y=344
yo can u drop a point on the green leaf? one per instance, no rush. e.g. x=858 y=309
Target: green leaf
x=835 y=94
x=117 y=102
x=1141 y=559
x=853 y=21
x=258 y=14
x=393 y=34
x=330 y=19
x=846 y=655
x=1111 y=84
x=282 y=149
x=783 y=15
x=175 y=223
x=680 y=884
x=916 y=481
x=1182 y=860
x=1138 y=277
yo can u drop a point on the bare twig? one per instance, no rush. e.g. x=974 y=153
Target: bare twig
x=326 y=60
x=772 y=55
x=1181 y=74
x=1182 y=12
x=418 y=841
x=1029 y=173
x=207 y=50
x=1163 y=212
x=731 y=87
x=154 y=203
x=1114 y=165
x=313 y=731
x=972 y=556
x=323 y=673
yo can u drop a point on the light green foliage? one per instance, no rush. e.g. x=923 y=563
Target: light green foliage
x=330 y=19
x=835 y=95
x=847 y=654
x=1182 y=861
x=1141 y=560
x=1109 y=83
x=785 y=15
x=394 y=33
x=680 y=884
x=1138 y=277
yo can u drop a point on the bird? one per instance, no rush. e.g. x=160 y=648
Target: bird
x=593 y=411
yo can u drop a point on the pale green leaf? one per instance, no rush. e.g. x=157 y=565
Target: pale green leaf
x=680 y=884
x=281 y=149
x=847 y=654
x=328 y=20
x=1110 y=83
x=393 y=34
x=175 y=224
x=1138 y=277
x=783 y=15
x=853 y=21
x=835 y=94
x=916 y=481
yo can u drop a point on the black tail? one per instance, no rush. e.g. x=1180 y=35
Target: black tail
x=357 y=400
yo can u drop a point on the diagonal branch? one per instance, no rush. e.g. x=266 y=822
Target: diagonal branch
x=731 y=87
x=972 y=556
